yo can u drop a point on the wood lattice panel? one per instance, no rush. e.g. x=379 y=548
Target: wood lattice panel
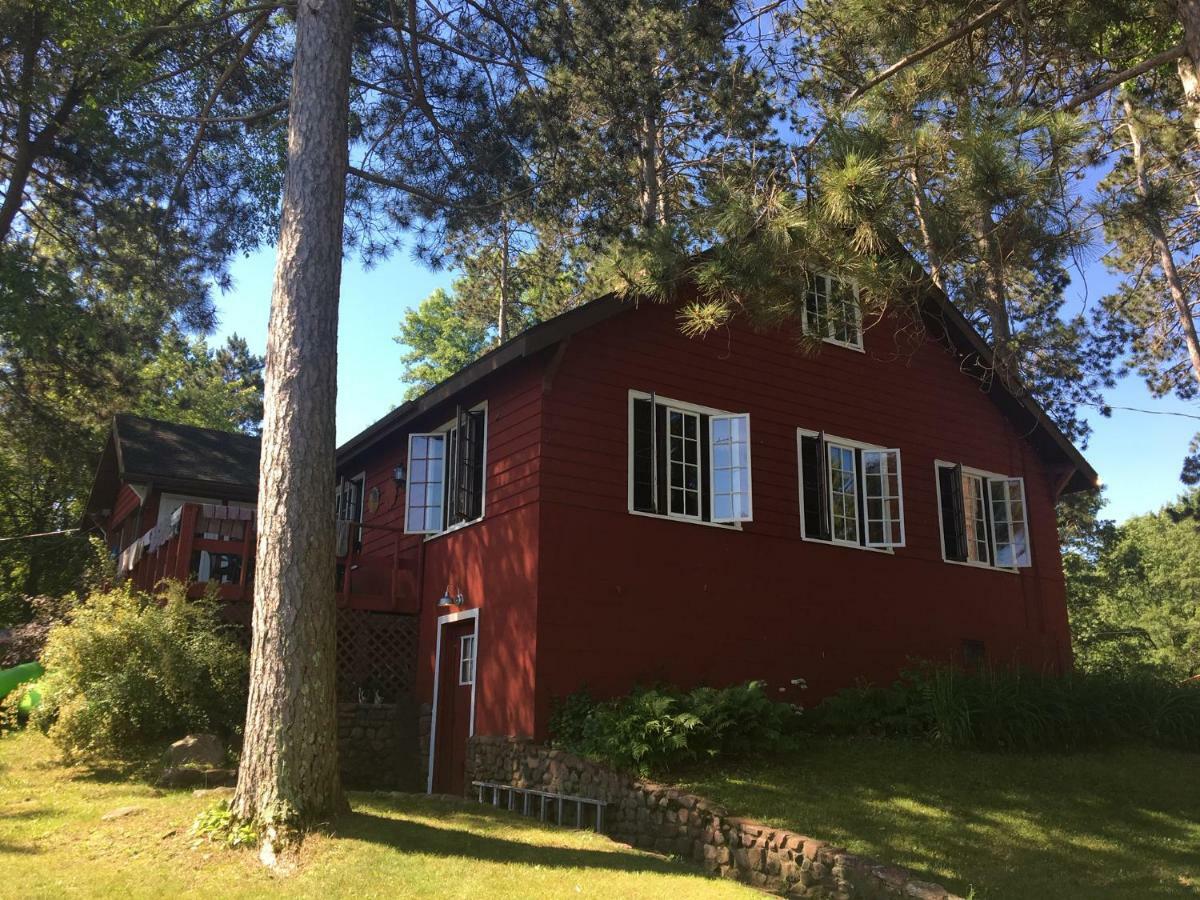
x=376 y=654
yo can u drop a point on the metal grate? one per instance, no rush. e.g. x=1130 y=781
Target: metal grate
x=562 y=809
x=376 y=656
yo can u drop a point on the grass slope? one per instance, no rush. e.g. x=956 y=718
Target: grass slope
x=1118 y=824
x=53 y=843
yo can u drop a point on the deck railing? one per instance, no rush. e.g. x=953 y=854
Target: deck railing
x=206 y=543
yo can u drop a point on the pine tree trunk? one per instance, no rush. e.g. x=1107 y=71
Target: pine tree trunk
x=1158 y=236
x=995 y=295
x=931 y=254
x=288 y=779
x=652 y=203
x=1188 y=65
x=502 y=317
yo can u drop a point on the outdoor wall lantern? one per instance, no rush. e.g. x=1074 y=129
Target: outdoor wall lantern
x=398 y=475
x=451 y=598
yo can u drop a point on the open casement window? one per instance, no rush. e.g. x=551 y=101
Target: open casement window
x=831 y=312
x=983 y=518
x=883 y=499
x=689 y=464
x=1010 y=530
x=445 y=475
x=423 y=496
x=850 y=494
x=348 y=504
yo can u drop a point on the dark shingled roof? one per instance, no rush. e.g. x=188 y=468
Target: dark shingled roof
x=175 y=457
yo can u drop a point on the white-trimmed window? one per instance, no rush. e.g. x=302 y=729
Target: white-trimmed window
x=466 y=659
x=983 y=517
x=445 y=479
x=687 y=461
x=831 y=312
x=850 y=492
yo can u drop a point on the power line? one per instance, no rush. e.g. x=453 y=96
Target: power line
x=1149 y=412
x=40 y=534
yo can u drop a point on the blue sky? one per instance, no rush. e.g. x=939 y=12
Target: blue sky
x=1137 y=454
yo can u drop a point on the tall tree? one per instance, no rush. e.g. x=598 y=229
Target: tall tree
x=288 y=777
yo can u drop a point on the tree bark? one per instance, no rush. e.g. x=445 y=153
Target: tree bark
x=288 y=779
x=931 y=253
x=995 y=295
x=1158 y=236
x=502 y=316
x=652 y=201
x=1188 y=65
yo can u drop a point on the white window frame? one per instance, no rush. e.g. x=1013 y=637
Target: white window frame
x=830 y=446
x=847 y=444
x=746 y=515
x=985 y=476
x=466 y=660
x=735 y=525
x=444 y=431
x=685 y=415
x=885 y=498
x=1011 y=482
x=408 y=486
x=828 y=337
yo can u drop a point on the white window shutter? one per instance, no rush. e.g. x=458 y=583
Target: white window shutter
x=1010 y=523
x=424 y=494
x=730 y=494
x=883 y=498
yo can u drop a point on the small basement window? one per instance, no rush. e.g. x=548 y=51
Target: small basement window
x=983 y=517
x=688 y=462
x=850 y=492
x=831 y=312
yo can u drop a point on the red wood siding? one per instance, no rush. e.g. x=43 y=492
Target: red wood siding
x=625 y=599
x=493 y=562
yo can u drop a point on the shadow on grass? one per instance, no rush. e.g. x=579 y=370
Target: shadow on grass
x=1118 y=824
x=406 y=836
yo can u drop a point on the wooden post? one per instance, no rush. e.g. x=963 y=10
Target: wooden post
x=187 y=534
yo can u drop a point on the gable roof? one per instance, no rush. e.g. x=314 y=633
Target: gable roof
x=176 y=457
x=945 y=321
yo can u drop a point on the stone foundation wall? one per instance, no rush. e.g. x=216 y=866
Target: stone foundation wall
x=377 y=746
x=666 y=820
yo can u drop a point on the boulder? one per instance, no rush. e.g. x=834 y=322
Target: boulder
x=121 y=812
x=197 y=750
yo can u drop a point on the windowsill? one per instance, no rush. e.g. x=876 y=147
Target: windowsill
x=857 y=348
x=888 y=551
x=687 y=520
x=982 y=565
x=453 y=528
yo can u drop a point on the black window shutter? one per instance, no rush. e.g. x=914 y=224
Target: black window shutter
x=643 y=456
x=464 y=468
x=660 y=460
x=954 y=528
x=470 y=482
x=816 y=487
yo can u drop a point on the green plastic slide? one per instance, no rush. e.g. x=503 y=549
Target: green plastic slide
x=10 y=678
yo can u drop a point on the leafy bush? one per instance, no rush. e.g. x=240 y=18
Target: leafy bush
x=1013 y=709
x=656 y=729
x=221 y=826
x=128 y=670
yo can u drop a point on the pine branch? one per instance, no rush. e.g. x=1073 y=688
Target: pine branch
x=1121 y=77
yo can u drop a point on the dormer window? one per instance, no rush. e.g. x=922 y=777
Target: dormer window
x=831 y=312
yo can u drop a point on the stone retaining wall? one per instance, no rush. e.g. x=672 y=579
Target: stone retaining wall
x=666 y=820
x=378 y=747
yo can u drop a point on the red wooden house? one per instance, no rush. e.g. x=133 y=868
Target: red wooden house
x=603 y=502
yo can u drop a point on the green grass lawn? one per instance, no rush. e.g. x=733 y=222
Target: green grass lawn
x=53 y=842
x=1117 y=824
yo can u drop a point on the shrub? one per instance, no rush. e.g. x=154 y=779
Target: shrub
x=657 y=729
x=128 y=670
x=1021 y=710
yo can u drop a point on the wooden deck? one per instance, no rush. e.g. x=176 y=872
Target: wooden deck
x=201 y=548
